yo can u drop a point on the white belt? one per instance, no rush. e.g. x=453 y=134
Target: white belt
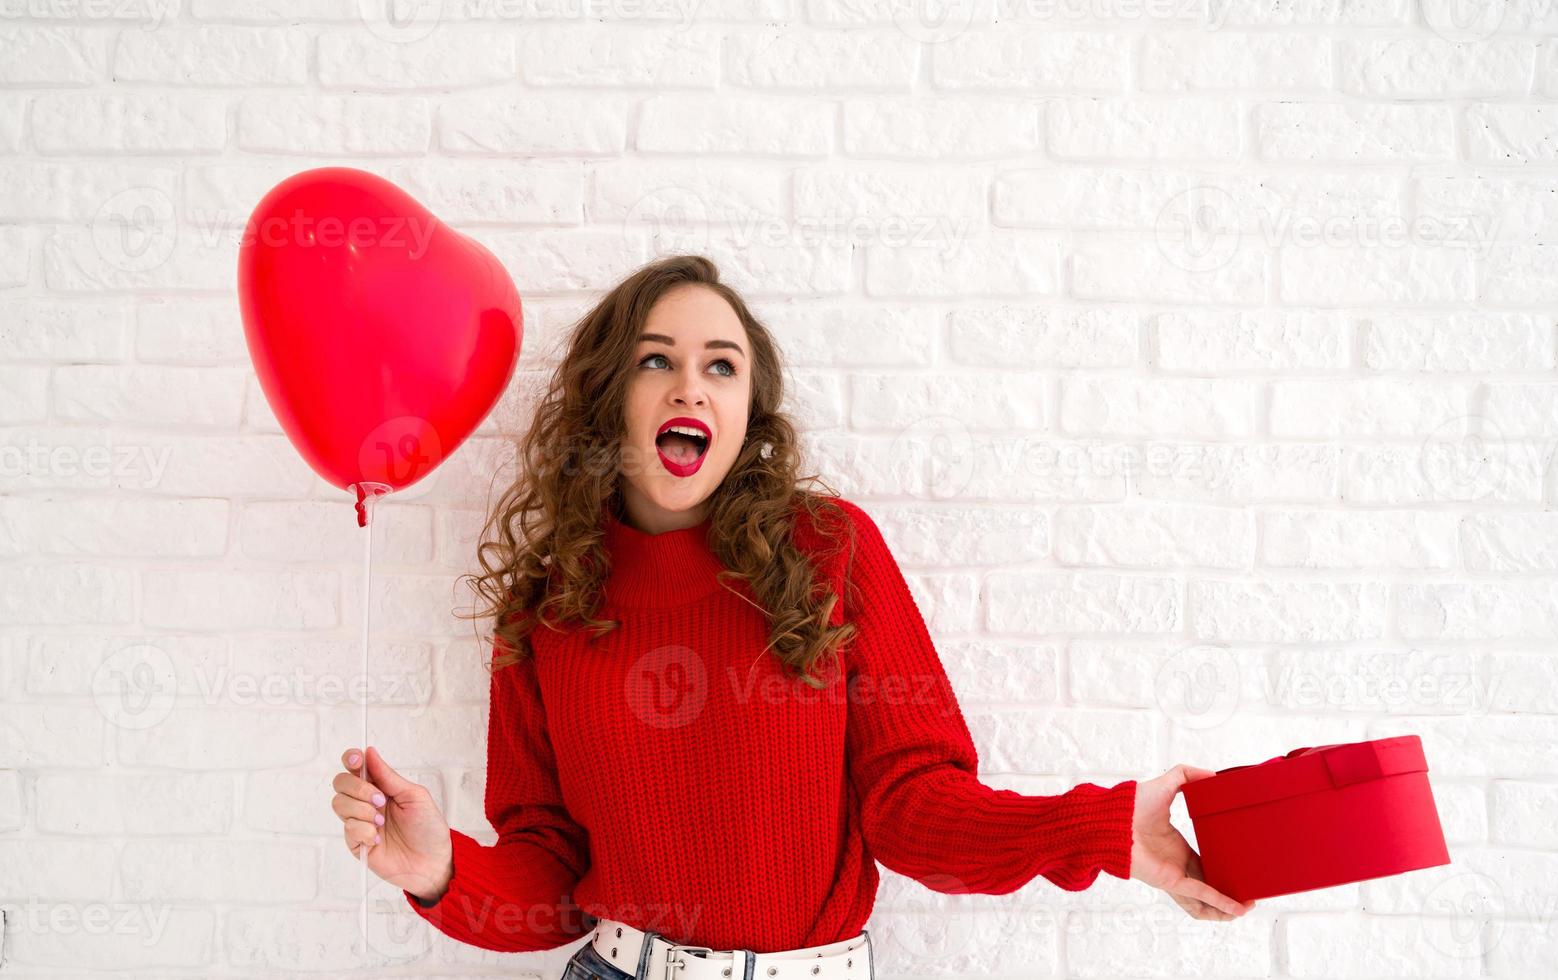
x=622 y=946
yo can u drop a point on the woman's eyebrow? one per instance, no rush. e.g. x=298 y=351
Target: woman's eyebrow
x=671 y=342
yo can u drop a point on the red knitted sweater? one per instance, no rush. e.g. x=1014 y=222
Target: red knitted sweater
x=671 y=776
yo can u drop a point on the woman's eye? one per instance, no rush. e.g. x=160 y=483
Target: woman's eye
x=730 y=372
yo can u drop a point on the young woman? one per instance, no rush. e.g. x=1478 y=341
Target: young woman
x=715 y=705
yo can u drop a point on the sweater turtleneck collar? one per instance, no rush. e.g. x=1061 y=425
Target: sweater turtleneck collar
x=658 y=570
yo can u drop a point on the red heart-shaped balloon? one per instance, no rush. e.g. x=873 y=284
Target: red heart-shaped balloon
x=381 y=337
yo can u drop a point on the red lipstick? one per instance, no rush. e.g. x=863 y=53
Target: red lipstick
x=686 y=422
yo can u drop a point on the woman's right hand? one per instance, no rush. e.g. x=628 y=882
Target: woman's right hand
x=396 y=820
x=1162 y=858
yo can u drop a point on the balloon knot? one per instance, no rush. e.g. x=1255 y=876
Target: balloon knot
x=378 y=490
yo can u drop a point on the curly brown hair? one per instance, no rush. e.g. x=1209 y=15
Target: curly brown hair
x=541 y=552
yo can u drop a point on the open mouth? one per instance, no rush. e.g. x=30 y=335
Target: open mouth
x=682 y=443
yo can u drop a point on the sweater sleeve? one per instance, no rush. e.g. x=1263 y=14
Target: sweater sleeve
x=516 y=895
x=913 y=765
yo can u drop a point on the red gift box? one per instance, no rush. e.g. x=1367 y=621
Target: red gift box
x=1316 y=817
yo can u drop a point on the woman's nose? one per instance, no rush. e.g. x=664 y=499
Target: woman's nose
x=689 y=391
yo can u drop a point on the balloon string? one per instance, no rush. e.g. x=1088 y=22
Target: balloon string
x=367 y=495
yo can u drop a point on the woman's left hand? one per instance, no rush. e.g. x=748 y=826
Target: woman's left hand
x=1161 y=857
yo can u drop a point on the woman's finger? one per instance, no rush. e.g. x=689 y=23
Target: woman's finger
x=1203 y=911
x=360 y=832
x=1197 y=889
x=357 y=787
x=346 y=806
x=1197 y=910
x=385 y=776
x=1193 y=866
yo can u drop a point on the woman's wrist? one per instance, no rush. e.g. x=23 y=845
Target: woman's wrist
x=440 y=888
x=440 y=878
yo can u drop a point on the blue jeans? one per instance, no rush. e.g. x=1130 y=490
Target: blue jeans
x=590 y=965
x=587 y=964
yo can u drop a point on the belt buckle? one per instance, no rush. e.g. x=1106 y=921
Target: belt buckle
x=671 y=962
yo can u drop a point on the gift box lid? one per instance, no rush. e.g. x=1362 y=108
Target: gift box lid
x=1307 y=770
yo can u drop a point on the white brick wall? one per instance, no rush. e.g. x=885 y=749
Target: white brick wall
x=1197 y=359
